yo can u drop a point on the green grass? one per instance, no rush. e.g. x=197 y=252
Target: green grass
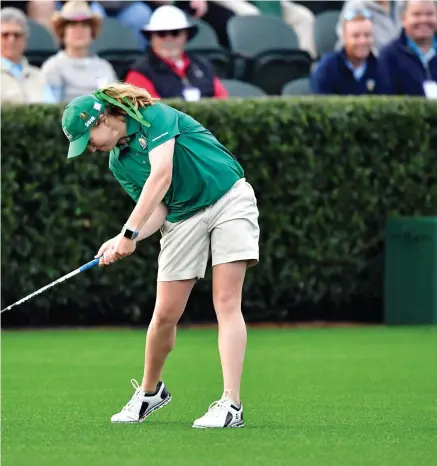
x=312 y=397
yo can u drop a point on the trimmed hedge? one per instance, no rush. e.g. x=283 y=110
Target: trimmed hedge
x=327 y=172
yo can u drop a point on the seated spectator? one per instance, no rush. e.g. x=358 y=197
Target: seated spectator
x=386 y=18
x=411 y=60
x=20 y=82
x=74 y=71
x=353 y=70
x=36 y=10
x=166 y=70
x=300 y=18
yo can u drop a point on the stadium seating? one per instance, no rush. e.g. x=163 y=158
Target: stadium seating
x=117 y=44
x=206 y=44
x=40 y=44
x=266 y=52
x=297 y=87
x=238 y=88
x=325 y=36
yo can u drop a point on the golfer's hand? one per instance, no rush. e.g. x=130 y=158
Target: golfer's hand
x=121 y=248
x=107 y=246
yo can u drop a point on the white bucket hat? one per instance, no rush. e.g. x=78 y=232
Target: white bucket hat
x=169 y=18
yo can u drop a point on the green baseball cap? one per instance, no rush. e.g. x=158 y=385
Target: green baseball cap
x=79 y=116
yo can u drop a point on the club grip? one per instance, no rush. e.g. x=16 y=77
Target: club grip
x=89 y=264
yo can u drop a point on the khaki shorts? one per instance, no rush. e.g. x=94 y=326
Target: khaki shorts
x=228 y=230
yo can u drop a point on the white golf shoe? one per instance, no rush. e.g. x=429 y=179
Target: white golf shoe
x=221 y=414
x=142 y=404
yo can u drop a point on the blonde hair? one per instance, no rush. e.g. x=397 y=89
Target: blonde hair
x=138 y=97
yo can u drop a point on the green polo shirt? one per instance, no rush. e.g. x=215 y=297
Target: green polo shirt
x=203 y=169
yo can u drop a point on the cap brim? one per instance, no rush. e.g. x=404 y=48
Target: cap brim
x=78 y=146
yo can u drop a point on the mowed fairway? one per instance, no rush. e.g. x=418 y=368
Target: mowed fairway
x=312 y=397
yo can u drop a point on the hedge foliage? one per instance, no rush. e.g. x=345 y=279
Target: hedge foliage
x=327 y=172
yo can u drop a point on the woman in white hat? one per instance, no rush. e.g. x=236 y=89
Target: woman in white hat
x=75 y=70
x=166 y=70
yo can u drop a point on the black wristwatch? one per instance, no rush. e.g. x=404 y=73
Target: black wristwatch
x=129 y=234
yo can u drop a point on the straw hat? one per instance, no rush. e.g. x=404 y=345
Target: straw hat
x=76 y=11
x=169 y=18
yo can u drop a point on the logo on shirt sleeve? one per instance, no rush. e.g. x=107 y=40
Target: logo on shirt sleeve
x=160 y=136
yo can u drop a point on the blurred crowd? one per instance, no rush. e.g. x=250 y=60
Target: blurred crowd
x=356 y=47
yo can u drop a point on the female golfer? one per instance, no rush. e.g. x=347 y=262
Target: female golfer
x=192 y=188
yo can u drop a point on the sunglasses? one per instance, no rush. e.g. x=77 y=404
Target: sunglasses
x=15 y=35
x=352 y=14
x=173 y=33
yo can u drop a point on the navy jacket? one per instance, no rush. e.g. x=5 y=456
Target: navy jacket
x=332 y=76
x=406 y=71
x=200 y=74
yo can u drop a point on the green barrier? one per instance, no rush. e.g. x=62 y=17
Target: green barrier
x=328 y=173
x=411 y=271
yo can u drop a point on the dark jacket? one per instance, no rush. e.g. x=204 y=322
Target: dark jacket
x=406 y=71
x=333 y=76
x=199 y=74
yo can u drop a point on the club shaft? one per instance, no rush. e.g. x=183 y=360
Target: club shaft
x=59 y=280
x=84 y=267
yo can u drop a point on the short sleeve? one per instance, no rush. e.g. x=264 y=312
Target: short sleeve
x=118 y=171
x=164 y=125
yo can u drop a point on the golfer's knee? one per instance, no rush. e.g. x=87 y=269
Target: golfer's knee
x=164 y=320
x=226 y=303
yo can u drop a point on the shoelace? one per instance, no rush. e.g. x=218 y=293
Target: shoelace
x=133 y=401
x=216 y=408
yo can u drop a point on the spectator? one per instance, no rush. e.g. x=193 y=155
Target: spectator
x=212 y=12
x=20 y=82
x=37 y=10
x=166 y=70
x=353 y=70
x=75 y=71
x=386 y=18
x=411 y=60
x=300 y=18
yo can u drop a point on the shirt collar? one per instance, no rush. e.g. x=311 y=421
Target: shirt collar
x=13 y=68
x=424 y=57
x=357 y=72
x=132 y=128
x=180 y=70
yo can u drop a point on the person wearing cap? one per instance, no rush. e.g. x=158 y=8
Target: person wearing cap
x=75 y=70
x=353 y=70
x=185 y=182
x=166 y=70
x=20 y=82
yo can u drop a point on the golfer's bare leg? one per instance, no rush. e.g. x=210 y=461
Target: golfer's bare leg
x=171 y=299
x=227 y=292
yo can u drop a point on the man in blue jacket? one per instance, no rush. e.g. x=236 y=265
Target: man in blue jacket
x=411 y=60
x=353 y=70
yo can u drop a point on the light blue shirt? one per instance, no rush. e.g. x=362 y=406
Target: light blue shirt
x=358 y=72
x=16 y=70
x=425 y=58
